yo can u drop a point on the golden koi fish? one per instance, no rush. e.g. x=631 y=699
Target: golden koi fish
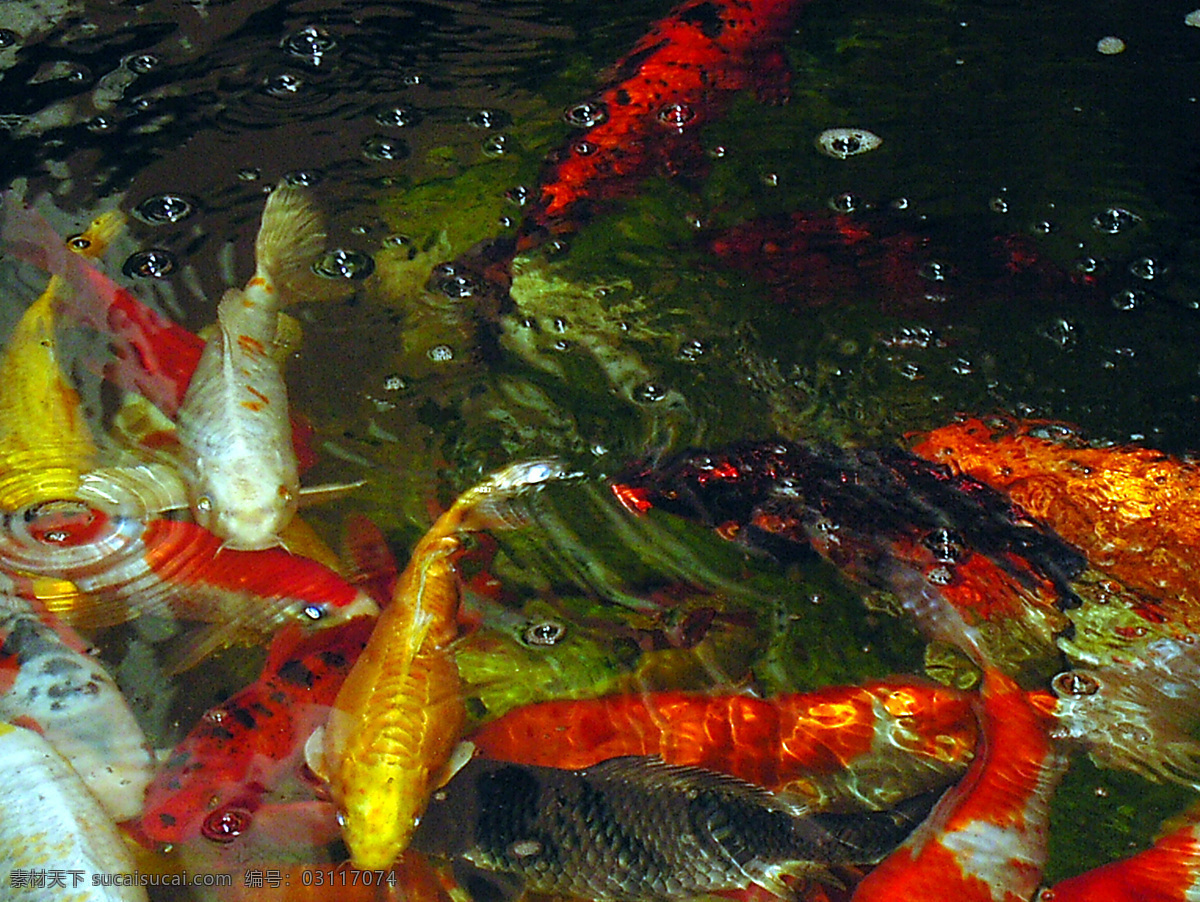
x=233 y=423
x=388 y=742
x=45 y=443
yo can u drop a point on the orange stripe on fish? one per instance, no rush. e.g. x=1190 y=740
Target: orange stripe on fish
x=985 y=840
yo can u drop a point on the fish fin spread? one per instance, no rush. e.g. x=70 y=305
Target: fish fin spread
x=314 y=754
x=328 y=491
x=134 y=490
x=299 y=538
x=460 y=757
x=200 y=642
x=289 y=336
x=290 y=239
x=370 y=563
x=491 y=503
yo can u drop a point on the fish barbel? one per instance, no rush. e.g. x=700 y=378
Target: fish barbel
x=633 y=828
x=233 y=422
x=51 y=822
x=400 y=711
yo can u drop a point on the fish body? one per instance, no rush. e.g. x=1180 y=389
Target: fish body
x=49 y=681
x=635 y=828
x=400 y=711
x=677 y=77
x=238 y=749
x=985 y=840
x=128 y=567
x=233 y=422
x=836 y=747
x=51 y=824
x=1169 y=871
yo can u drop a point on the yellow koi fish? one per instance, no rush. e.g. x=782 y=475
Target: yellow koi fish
x=45 y=443
x=244 y=483
x=50 y=823
x=388 y=742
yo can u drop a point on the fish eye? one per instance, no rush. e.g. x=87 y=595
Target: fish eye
x=314 y=611
x=79 y=243
x=544 y=633
x=204 y=503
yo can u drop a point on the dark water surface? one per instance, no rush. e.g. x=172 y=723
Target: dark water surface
x=415 y=120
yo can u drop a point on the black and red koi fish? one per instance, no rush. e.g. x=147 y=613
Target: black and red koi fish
x=644 y=121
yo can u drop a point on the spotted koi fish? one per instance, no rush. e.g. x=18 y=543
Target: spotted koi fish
x=400 y=711
x=677 y=77
x=51 y=821
x=212 y=783
x=837 y=747
x=1169 y=871
x=48 y=681
x=128 y=567
x=985 y=840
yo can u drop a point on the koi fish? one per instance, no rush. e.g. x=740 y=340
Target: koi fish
x=128 y=567
x=1169 y=871
x=52 y=823
x=985 y=840
x=219 y=771
x=677 y=77
x=50 y=682
x=635 y=828
x=870 y=745
x=45 y=443
x=400 y=711
x=233 y=423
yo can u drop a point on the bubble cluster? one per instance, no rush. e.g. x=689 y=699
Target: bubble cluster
x=841 y=143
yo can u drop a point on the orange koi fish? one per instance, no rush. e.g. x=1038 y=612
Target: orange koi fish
x=985 y=840
x=677 y=77
x=49 y=681
x=400 y=711
x=830 y=748
x=128 y=567
x=45 y=443
x=1169 y=871
x=243 y=474
x=212 y=783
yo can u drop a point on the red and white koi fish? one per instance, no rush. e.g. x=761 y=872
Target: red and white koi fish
x=985 y=840
x=49 y=682
x=233 y=422
x=678 y=76
x=1169 y=871
x=52 y=822
x=213 y=782
x=128 y=567
x=867 y=745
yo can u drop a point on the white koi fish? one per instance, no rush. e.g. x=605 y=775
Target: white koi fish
x=233 y=423
x=54 y=836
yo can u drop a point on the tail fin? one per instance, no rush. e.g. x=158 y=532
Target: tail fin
x=290 y=240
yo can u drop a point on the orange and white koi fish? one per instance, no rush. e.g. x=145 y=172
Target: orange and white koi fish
x=869 y=745
x=233 y=423
x=128 y=567
x=45 y=443
x=50 y=682
x=399 y=714
x=1169 y=871
x=985 y=840
x=52 y=823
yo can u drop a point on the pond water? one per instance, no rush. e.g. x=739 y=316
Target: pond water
x=419 y=125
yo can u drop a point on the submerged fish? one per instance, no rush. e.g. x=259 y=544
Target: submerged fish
x=634 y=828
x=400 y=711
x=50 y=823
x=985 y=840
x=236 y=752
x=50 y=682
x=127 y=567
x=836 y=747
x=45 y=443
x=233 y=422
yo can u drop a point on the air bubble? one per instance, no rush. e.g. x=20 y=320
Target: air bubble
x=544 y=633
x=584 y=148
x=677 y=116
x=1061 y=332
x=495 y=146
x=448 y=281
x=1042 y=227
x=285 y=84
x=100 y=124
x=586 y=114
x=1128 y=299
x=1075 y=684
x=394 y=382
x=841 y=143
x=345 y=264
x=304 y=178
x=998 y=205
x=650 y=392
x=692 y=350
x=164 y=208
x=397 y=117
x=1146 y=268
x=142 y=63
x=377 y=147
x=226 y=824
x=1114 y=220
x=441 y=353
x=152 y=263
x=489 y=119
x=845 y=202
x=309 y=43
x=249 y=174
x=934 y=271
x=518 y=195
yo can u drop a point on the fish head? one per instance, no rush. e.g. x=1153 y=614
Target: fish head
x=246 y=509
